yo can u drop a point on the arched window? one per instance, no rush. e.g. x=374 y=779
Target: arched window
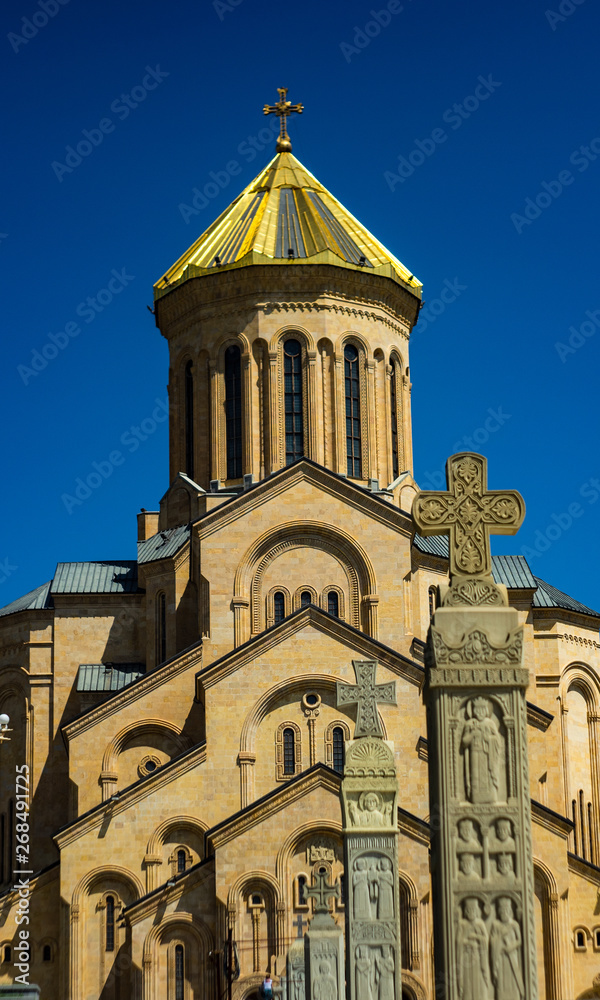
x=181 y=860
x=179 y=972
x=580 y=940
x=278 y=606
x=300 y=901
x=47 y=953
x=233 y=411
x=353 y=434
x=161 y=627
x=289 y=751
x=305 y=598
x=333 y=603
x=432 y=601
x=109 y=944
x=6 y=953
x=338 y=749
x=294 y=405
x=394 y=419
x=189 y=420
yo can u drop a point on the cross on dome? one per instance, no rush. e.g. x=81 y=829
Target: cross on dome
x=282 y=109
x=468 y=513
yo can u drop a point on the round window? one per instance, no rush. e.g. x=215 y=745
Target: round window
x=148 y=765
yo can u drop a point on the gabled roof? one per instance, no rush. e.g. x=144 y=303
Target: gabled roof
x=547 y=596
x=163 y=545
x=286 y=209
x=96 y=578
x=34 y=600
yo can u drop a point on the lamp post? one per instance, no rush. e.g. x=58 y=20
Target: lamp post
x=4 y=720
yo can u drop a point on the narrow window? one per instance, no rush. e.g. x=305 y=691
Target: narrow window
x=301 y=886
x=289 y=754
x=338 y=749
x=161 y=628
x=179 y=972
x=580 y=939
x=47 y=953
x=278 y=607
x=575 y=830
x=394 y=417
x=110 y=923
x=11 y=835
x=2 y=846
x=305 y=598
x=294 y=415
x=353 y=439
x=431 y=602
x=189 y=420
x=181 y=861
x=7 y=953
x=598 y=939
x=333 y=604
x=233 y=411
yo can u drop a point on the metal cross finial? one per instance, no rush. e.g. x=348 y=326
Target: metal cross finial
x=366 y=694
x=469 y=513
x=282 y=109
x=321 y=891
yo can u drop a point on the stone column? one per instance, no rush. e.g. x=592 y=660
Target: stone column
x=481 y=850
x=248 y=449
x=273 y=413
x=370 y=807
x=215 y=425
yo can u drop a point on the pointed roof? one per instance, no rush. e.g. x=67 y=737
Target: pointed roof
x=285 y=214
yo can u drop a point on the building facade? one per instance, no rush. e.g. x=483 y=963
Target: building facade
x=177 y=713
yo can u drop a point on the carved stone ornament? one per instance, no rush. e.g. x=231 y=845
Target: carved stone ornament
x=475 y=647
x=478 y=592
x=369 y=759
x=468 y=513
x=320 y=850
x=366 y=695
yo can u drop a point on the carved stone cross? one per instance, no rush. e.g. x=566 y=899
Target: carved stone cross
x=468 y=513
x=321 y=892
x=366 y=694
x=299 y=925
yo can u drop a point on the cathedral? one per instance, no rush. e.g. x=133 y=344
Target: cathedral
x=177 y=713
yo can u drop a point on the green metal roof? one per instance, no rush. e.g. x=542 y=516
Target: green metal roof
x=108 y=676
x=96 y=578
x=547 y=596
x=35 y=599
x=163 y=545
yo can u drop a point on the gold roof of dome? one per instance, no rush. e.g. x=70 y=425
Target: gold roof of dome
x=286 y=216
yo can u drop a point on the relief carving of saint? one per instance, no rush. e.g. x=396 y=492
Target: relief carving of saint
x=472 y=953
x=481 y=744
x=361 y=890
x=384 y=879
x=370 y=811
x=324 y=986
x=384 y=964
x=365 y=979
x=505 y=952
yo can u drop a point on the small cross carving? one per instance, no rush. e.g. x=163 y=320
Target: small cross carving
x=282 y=109
x=366 y=694
x=468 y=513
x=321 y=891
x=299 y=923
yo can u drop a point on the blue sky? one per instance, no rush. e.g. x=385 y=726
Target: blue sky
x=466 y=137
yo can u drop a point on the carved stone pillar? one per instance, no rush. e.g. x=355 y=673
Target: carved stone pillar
x=371 y=624
x=152 y=863
x=372 y=469
x=389 y=374
x=273 y=412
x=241 y=624
x=108 y=781
x=314 y=451
x=594 y=736
x=554 y=989
x=75 y=953
x=148 y=974
x=215 y=428
x=246 y=761
x=248 y=456
x=406 y=447
x=413 y=930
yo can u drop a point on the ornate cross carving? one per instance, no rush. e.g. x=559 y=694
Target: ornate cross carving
x=282 y=109
x=468 y=513
x=321 y=892
x=366 y=694
x=299 y=925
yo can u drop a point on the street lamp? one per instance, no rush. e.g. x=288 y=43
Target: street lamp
x=4 y=720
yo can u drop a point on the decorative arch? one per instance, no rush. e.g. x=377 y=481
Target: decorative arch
x=583 y=678
x=580 y=677
x=154 y=727
x=412 y=987
x=547 y=892
x=356 y=338
x=162 y=831
x=341 y=600
x=349 y=553
x=297 y=598
x=270 y=604
x=409 y=923
x=290 y=846
x=357 y=463
x=280 y=774
x=337 y=723
x=289 y=331
x=187 y=924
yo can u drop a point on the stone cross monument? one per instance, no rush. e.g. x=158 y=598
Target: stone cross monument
x=369 y=795
x=482 y=871
x=323 y=944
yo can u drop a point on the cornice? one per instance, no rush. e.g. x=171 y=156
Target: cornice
x=538 y=717
x=584 y=868
x=130 y=796
x=328 y=625
x=413 y=827
x=165 y=896
x=550 y=820
x=48 y=874
x=285 y=479
x=139 y=689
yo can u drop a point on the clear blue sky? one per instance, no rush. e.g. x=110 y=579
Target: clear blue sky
x=373 y=93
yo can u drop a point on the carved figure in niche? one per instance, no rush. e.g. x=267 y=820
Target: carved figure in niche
x=361 y=893
x=481 y=744
x=505 y=867
x=505 y=951
x=297 y=988
x=321 y=850
x=467 y=866
x=504 y=837
x=324 y=986
x=472 y=953
x=364 y=966
x=384 y=964
x=467 y=837
x=371 y=810
x=384 y=882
